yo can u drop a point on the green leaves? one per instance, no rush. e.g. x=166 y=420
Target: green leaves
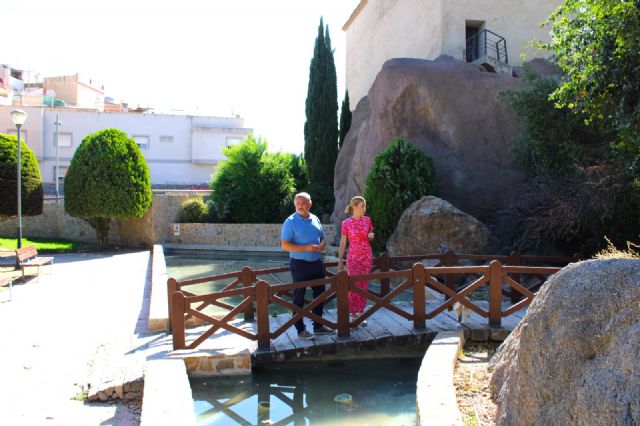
x=254 y=186
x=597 y=46
x=31 y=183
x=321 y=109
x=400 y=175
x=108 y=178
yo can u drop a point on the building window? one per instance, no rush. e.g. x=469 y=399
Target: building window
x=142 y=141
x=64 y=140
x=166 y=139
x=62 y=172
x=233 y=141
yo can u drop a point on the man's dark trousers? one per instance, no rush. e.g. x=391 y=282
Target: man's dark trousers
x=301 y=270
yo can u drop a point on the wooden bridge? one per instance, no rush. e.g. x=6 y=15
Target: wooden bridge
x=412 y=303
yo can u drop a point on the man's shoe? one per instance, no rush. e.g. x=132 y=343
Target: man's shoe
x=305 y=335
x=322 y=330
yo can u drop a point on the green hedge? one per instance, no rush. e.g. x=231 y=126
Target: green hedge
x=400 y=175
x=252 y=185
x=32 y=191
x=108 y=179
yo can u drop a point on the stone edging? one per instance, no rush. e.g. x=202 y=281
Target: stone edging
x=167 y=394
x=435 y=394
x=158 y=309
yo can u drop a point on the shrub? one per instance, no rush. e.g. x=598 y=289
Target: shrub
x=573 y=212
x=554 y=138
x=31 y=184
x=400 y=175
x=108 y=178
x=194 y=210
x=251 y=186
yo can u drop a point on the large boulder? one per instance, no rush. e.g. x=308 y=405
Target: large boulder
x=448 y=109
x=432 y=225
x=573 y=359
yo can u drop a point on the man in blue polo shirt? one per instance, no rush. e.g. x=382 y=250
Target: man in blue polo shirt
x=303 y=237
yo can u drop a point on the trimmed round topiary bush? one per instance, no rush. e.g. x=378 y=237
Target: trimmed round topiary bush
x=400 y=175
x=108 y=179
x=194 y=210
x=31 y=183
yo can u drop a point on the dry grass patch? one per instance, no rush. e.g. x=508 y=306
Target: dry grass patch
x=612 y=252
x=471 y=380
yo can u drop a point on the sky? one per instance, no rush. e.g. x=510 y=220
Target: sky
x=215 y=57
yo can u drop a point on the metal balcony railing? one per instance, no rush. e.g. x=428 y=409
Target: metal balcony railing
x=486 y=43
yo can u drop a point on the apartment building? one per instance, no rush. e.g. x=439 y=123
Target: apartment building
x=181 y=150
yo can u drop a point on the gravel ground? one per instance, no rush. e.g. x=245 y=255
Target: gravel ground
x=471 y=380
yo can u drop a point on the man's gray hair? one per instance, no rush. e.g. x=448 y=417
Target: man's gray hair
x=302 y=195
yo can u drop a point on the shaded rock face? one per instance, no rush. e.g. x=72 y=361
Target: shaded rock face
x=450 y=111
x=432 y=225
x=573 y=359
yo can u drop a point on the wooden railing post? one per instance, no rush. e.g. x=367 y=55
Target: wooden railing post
x=383 y=265
x=246 y=276
x=172 y=287
x=177 y=319
x=515 y=259
x=495 y=294
x=449 y=259
x=262 y=313
x=418 y=278
x=342 y=302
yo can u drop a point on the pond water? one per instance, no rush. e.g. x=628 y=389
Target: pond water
x=380 y=391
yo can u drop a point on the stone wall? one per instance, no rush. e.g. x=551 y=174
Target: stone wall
x=234 y=234
x=155 y=227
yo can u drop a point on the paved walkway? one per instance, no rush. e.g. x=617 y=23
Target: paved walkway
x=54 y=329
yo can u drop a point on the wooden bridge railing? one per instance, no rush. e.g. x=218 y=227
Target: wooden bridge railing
x=258 y=295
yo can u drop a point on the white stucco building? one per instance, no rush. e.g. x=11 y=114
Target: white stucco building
x=179 y=149
x=379 y=30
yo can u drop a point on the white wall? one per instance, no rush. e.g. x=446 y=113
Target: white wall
x=426 y=29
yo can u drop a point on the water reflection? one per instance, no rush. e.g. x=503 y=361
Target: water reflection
x=304 y=393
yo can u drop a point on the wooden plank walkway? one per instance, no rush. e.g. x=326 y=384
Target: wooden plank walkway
x=384 y=329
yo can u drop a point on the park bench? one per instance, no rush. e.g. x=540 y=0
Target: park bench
x=27 y=257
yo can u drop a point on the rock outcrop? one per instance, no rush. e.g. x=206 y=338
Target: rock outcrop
x=573 y=359
x=449 y=110
x=432 y=225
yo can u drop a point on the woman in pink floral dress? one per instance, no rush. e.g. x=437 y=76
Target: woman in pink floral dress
x=358 y=229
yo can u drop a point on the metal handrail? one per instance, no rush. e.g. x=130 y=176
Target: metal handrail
x=486 y=43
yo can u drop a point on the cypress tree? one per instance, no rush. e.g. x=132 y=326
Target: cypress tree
x=345 y=119
x=321 y=126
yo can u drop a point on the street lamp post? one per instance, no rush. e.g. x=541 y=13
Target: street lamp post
x=19 y=117
x=58 y=123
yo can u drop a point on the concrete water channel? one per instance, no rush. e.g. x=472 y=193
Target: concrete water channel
x=265 y=390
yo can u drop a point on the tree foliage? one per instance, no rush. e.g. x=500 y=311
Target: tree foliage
x=597 y=46
x=400 y=175
x=108 y=179
x=252 y=185
x=31 y=184
x=321 y=109
x=555 y=138
x=345 y=119
x=194 y=210
x=299 y=171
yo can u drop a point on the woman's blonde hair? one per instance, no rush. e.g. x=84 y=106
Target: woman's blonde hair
x=354 y=202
